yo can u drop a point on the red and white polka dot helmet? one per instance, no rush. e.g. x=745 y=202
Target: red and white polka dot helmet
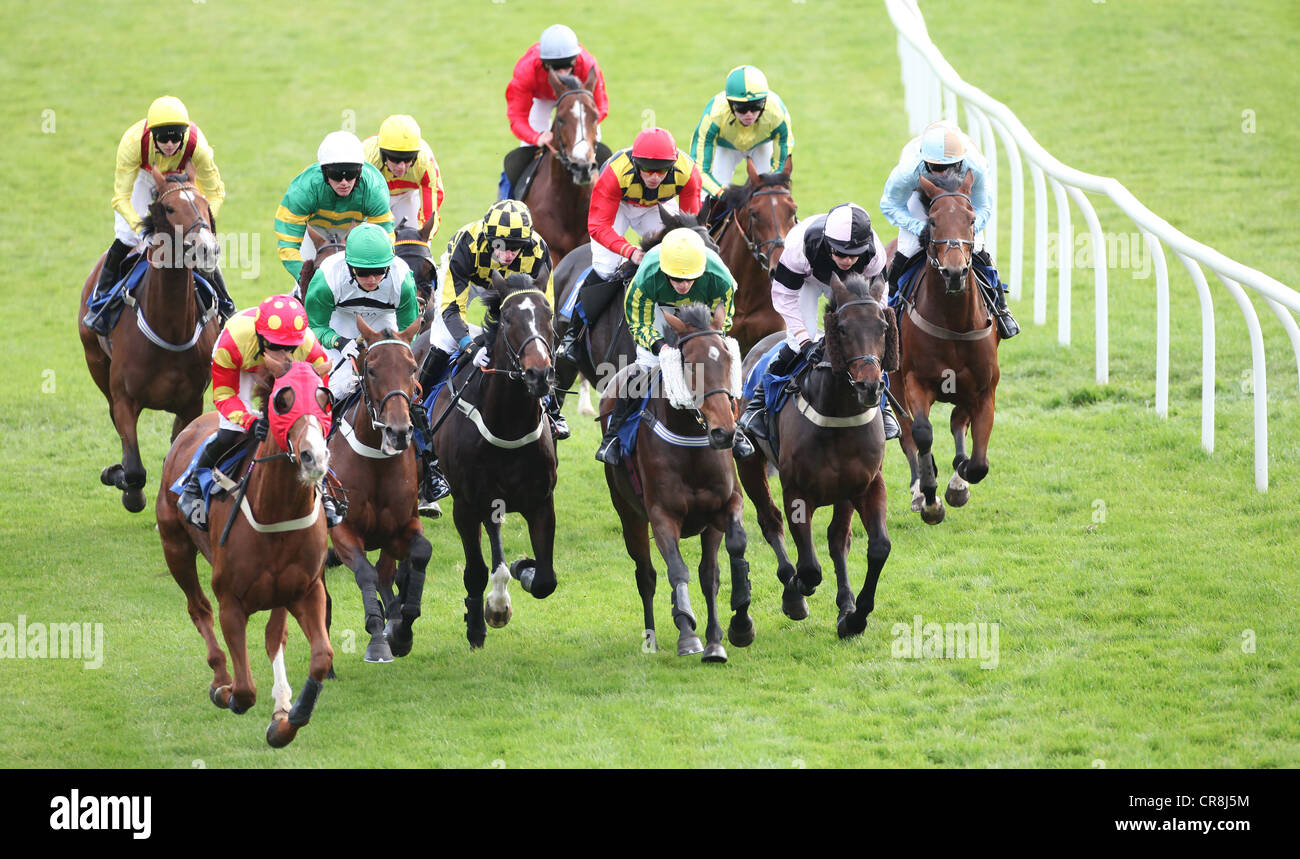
x=282 y=320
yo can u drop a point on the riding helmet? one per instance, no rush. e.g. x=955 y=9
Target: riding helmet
x=942 y=143
x=558 y=43
x=368 y=246
x=654 y=150
x=167 y=110
x=509 y=222
x=746 y=83
x=281 y=320
x=682 y=255
x=399 y=133
x=340 y=147
x=848 y=230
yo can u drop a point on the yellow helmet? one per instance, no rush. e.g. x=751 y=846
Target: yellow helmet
x=400 y=133
x=682 y=255
x=167 y=110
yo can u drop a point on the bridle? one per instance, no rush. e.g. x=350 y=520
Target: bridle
x=756 y=247
x=516 y=367
x=699 y=403
x=575 y=168
x=868 y=358
x=199 y=221
x=377 y=411
x=950 y=244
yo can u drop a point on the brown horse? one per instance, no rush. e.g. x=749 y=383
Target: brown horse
x=949 y=352
x=375 y=462
x=560 y=193
x=159 y=353
x=832 y=444
x=683 y=466
x=750 y=239
x=272 y=558
x=327 y=244
x=495 y=445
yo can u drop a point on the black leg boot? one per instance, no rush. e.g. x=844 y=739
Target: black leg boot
x=434 y=369
x=225 y=304
x=559 y=426
x=991 y=286
x=108 y=275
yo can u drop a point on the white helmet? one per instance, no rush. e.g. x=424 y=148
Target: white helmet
x=558 y=42
x=340 y=147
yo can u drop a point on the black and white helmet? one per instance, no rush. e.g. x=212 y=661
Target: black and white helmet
x=848 y=230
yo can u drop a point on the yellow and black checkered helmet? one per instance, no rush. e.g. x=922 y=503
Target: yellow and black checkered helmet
x=510 y=222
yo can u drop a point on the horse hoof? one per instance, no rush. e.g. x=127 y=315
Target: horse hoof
x=956 y=497
x=714 y=653
x=741 y=634
x=497 y=618
x=916 y=504
x=933 y=515
x=111 y=475
x=649 y=642
x=399 y=638
x=280 y=733
x=689 y=643
x=133 y=500
x=793 y=603
x=220 y=696
x=236 y=708
x=330 y=675
x=850 y=625
x=378 y=649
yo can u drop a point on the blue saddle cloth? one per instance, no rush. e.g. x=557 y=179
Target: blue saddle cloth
x=229 y=464
x=114 y=299
x=775 y=388
x=571 y=301
x=910 y=280
x=627 y=433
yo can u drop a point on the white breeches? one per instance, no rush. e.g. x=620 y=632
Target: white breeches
x=406 y=206
x=343 y=378
x=540 y=116
x=642 y=219
x=141 y=199
x=439 y=336
x=801 y=310
x=909 y=244
x=725 y=161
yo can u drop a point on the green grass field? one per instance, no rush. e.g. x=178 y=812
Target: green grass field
x=1145 y=594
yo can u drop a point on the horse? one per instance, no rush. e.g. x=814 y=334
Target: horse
x=832 y=444
x=949 y=352
x=272 y=554
x=159 y=353
x=610 y=342
x=327 y=244
x=494 y=441
x=560 y=192
x=375 y=463
x=683 y=465
x=750 y=238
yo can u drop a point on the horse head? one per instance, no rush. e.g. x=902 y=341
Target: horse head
x=574 y=127
x=299 y=411
x=861 y=335
x=387 y=373
x=181 y=220
x=525 y=330
x=765 y=211
x=950 y=232
x=710 y=370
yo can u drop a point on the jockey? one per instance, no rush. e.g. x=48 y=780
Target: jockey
x=839 y=243
x=530 y=98
x=941 y=150
x=745 y=120
x=340 y=189
x=406 y=161
x=679 y=270
x=504 y=242
x=633 y=182
x=278 y=324
x=167 y=140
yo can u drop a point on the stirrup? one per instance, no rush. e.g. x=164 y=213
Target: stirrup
x=559 y=427
x=610 y=451
x=429 y=510
x=892 y=430
x=1008 y=327
x=196 y=513
x=753 y=421
x=333 y=514
x=742 y=447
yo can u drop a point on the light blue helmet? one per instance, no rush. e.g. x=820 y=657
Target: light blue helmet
x=558 y=42
x=942 y=143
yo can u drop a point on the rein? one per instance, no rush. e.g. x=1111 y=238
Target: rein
x=563 y=157
x=763 y=258
x=142 y=323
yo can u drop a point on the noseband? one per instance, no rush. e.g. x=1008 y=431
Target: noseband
x=516 y=371
x=699 y=416
x=756 y=247
x=377 y=411
x=950 y=244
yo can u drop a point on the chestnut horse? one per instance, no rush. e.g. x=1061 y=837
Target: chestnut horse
x=375 y=463
x=560 y=192
x=683 y=466
x=159 y=353
x=274 y=555
x=750 y=239
x=949 y=352
x=832 y=444
x=494 y=442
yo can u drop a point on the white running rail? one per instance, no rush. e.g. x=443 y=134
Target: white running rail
x=933 y=90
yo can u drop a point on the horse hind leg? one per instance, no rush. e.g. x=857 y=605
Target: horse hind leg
x=585 y=407
x=636 y=539
x=180 y=554
x=129 y=474
x=410 y=593
x=710 y=541
x=497 y=609
x=740 y=632
x=958 y=491
x=753 y=477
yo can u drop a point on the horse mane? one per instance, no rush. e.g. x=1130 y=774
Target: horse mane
x=695 y=315
x=738 y=196
x=946 y=183
x=569 y=82
x=515 y=282
x=858 y=287
x=674 y=221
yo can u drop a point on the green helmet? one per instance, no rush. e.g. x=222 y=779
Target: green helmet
x=746 y=83
x=369 y=246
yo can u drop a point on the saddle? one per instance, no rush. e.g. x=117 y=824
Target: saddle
x=519 y=168
x=108 y=305
x=776 y=390
x=216 y=483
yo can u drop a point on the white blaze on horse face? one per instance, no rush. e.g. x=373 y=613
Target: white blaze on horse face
x=714 y=354
x=580 y=146
x=527 y=304
x=313 y=441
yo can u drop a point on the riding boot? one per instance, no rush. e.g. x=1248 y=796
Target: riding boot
x=567 y=349
x=433 y=485
x=559 y=426
x=897 y=266
x=887 y=415
x=191 y=503
x=991 y=286
x=225 y=304
x=434 y=369
x=741 y=446
x=334 y=511
x=108 y=275
x=610 y=451
x=754 y=419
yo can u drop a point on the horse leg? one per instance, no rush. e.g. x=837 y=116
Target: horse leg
x=920 y=399
x=242 y=694
x=185 y=417
x=710 y=541
x=539 y=580
x=667 y=533
x=958 y=491
x=977 y=467
x=180 y=554
x=741 y=630
x=352 y=552
x=636 y=539
x=839 y=538
x=585 y=407
x=475 y=577
x=871 y=510
x=129 y=475
x=309 y=611
x=410 y=592
x=497 y=611
x=277 y=635
x=808 y=572
x=909 y=450
x=753 y=477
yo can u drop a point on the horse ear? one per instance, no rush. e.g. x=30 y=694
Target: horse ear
x=839 y=292
x=752 y=173
x=590 y=83
x=968 y=182
x=719 y=316
x=191 y=172
x=664 y=214
x=276 y=363
x=427 y=230
x=543 y=277
x=367 y=333
x=317 y=238
x=789 y=165
x=411 y=331
x=498 y=283
x=877 y=289
x=929 y=189
x=554 y=80
x=676 y=324
x=157 y=176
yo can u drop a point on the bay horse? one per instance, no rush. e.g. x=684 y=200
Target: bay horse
x=683 y=465
x=750 y=239
x=494 y=441
x=832 y=444
x=949 y=353
x=375 y=463
x=560 y=193
x=273 y=557
x=158 y=355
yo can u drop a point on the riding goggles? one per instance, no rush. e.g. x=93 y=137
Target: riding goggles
x=748 y=106
x=399 y=157
x=367 y=272
x=342 y=174
x=652 y=165
x=563 y=63
x=169 y=134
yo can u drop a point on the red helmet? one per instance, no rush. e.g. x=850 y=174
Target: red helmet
x=282 y=320
x=654 y=150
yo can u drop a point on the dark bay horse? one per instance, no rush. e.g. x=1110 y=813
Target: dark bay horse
x=375 y=462
x=750 y=239
x=683 y=465
x=274 y=555
x=412 y=245
x=560 y=193
x=497 y=453
x=159 y=353
x=949 y=352
x=832 y=444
